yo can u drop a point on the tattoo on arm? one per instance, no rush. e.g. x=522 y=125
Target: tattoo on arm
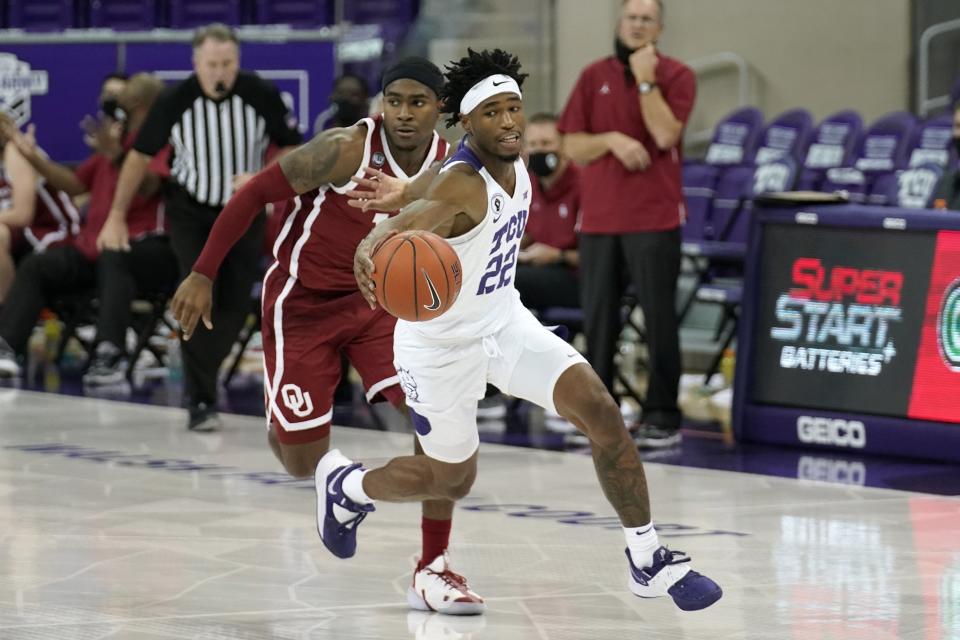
x=317 y=162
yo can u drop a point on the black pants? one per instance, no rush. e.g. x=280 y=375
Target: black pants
x=553 y=285
x=115 y=279
x=205 y=351
x=148 y=268
x=651 y=261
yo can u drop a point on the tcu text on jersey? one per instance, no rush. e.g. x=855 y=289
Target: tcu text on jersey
x=503 y=254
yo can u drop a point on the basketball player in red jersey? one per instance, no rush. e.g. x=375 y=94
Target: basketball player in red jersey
x=312 y=310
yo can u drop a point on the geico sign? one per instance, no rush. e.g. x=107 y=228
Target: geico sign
x=835 y=431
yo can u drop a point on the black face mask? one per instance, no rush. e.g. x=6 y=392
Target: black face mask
x=544 y=164
x=622 y=51
x=110 y=107
x=348 y=112
x=956 y=144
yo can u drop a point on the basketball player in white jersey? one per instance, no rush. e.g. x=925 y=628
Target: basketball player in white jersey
x=479 y=201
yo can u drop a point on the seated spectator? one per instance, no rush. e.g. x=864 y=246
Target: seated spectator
x=146 y=265
x=349 y=102
x=547 y=271
x=947 y=194
x=33 y=215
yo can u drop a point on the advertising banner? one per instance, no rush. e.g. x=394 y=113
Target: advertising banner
x=54 y=85
x=840 y=317
x=850 y=331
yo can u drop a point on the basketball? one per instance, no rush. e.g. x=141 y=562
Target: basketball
x=417 y=275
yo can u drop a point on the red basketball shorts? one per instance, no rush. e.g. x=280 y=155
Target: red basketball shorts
x=304 y=334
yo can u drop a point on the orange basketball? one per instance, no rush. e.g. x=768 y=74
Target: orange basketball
x=417 y=275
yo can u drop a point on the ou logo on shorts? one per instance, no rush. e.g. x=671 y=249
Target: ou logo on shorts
x=296 y=400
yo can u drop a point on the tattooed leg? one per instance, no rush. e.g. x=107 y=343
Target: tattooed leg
x=581 y=398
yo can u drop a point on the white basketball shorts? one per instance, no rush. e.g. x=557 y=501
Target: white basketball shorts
x=444 y=380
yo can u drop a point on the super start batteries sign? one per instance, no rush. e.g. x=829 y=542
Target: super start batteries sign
x=841 y=316
x=859 y=320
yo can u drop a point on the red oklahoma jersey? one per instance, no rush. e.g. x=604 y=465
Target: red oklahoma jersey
x=319 y=237
x=55 y=219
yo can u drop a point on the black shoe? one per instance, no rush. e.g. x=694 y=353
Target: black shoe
x=204 y=418
x=651 y=436
x=9 y=363
x=109 y=366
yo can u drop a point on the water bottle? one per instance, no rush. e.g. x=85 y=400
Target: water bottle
x=51 y=339
x=174 y=360
x=52 y=333
x=728 y=364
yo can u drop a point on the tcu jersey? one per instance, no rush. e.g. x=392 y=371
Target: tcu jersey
x=488 y=255
x=55 y=218
x=319 y=237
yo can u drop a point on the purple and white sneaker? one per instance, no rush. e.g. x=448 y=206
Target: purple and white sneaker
x=337 y=515
x=672 y=576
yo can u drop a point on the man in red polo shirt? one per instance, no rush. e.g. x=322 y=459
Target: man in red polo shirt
x=547 y=270
x=77 y=265
x=624 y=120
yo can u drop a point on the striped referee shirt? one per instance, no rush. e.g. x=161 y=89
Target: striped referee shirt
x=214 y=140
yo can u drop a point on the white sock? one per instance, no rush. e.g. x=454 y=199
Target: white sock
x=642 y=542
x=353 y=487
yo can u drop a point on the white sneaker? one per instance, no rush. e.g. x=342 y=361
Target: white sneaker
x=433 y=626
x=436 y=588
x=9 y=367
x=672 y=576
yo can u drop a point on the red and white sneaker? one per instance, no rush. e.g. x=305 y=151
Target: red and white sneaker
x=436 y=588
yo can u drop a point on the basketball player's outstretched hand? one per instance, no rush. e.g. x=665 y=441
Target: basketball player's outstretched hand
x=193 y=301
x=363 y=266
x=363 y=269
x=380 y=192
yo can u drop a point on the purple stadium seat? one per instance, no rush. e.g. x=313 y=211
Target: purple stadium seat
x=124 y=15
x=735 y=138
x=736 y=190
x=698 y=196
x=724 y=246
x=932 y=142
x=43 y=15
x=734 y=142
x=787 y=135
x=189 y=14
x=832 y=146
x=380 y=11
x=884 y=147
x=715 y=193
x=912 y=188
x=297 y=13
x=883 y=150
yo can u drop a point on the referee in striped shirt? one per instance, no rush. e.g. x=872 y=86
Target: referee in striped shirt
x=219 y=122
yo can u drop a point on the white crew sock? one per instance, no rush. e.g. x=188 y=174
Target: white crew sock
x=642 y=542
x=353 y=486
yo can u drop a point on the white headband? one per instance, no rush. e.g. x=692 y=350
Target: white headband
x=486 y=89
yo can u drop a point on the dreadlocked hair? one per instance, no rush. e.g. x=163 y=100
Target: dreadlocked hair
x=470 y=70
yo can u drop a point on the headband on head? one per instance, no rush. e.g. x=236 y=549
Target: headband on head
x=419 y=69
x=486 y=89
